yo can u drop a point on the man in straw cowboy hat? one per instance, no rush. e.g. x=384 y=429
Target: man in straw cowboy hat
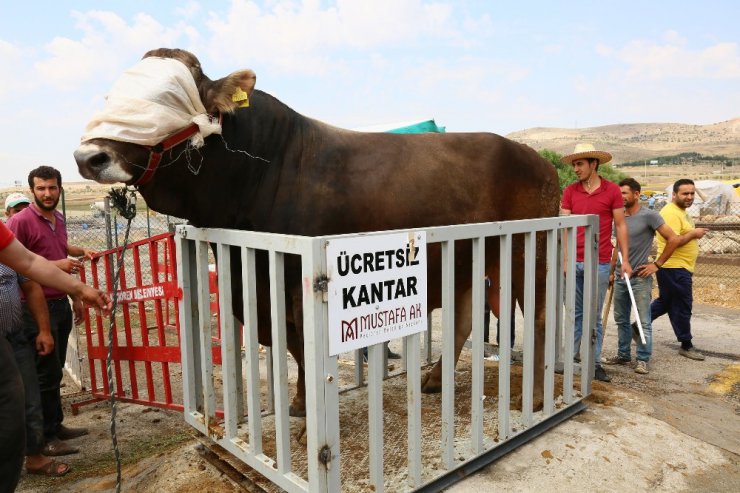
x=592 y=194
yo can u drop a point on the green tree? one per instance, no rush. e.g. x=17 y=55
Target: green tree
x=566 y=175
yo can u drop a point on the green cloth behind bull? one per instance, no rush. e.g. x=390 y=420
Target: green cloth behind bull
x=418 y=128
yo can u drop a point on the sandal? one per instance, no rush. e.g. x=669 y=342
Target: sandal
x=52 y=469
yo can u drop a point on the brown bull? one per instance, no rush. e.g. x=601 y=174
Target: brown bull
x=274 y=170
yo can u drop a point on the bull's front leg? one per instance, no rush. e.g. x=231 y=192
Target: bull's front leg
x=539 y=360
x=295 y=346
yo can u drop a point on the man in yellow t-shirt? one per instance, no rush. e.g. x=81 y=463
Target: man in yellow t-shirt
x=675 y=295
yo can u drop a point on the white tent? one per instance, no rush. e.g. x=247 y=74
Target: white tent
x=712 y=197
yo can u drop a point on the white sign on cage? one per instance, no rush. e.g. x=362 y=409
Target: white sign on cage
x=377 y=289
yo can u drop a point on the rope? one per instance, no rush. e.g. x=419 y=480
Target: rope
x=124 y=201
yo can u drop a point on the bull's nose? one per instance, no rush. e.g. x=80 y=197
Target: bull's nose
x=91 y=160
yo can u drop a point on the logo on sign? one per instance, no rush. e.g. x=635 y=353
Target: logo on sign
x=353 y=329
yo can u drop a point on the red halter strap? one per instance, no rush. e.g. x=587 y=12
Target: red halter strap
x=156 y=151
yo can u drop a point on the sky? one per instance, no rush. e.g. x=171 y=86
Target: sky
x=496 y=66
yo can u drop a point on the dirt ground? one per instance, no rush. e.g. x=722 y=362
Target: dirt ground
x=675 y=429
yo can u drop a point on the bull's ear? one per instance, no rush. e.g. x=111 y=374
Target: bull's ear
x=227 y=94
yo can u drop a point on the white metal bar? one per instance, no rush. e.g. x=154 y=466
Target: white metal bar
x=322 y=379
x=266 y=467
x=230 y=354
x=428 y=340
x=269 y=364
x=478 y=306
x=279 y=361
x=570 y=316
x=190 y=354
x=205 y=335
x=448 y=355
x=375 y=414
x=286 y=244
x=590 y=300
x=530 y=257
x=296 y=244
x=504 y=345
x=413 y=398
x=551 y=312
x=467 y=231
x=560 y=296
x=238 y=368
x=251 y=350
x=359 y=368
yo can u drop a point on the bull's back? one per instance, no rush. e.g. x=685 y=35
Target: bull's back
x=392 y=181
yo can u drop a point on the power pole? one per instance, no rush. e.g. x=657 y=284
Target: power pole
x=645 y=179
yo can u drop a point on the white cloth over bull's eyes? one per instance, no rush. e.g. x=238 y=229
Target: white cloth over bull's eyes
x=152 y=100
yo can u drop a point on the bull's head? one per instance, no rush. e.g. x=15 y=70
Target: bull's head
x=163 y=96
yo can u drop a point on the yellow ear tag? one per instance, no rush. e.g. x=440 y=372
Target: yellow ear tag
x=240 y=97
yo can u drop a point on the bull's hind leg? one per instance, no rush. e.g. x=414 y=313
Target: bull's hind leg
x=295 y=346
x=432 y=381
x=540 y=277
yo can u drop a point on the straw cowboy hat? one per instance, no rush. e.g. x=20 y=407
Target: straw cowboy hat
x=586 y=151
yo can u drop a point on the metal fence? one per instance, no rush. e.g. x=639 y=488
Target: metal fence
x=391 y=437
x=103 y=229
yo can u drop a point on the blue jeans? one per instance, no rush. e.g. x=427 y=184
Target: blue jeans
x=675 y=297
x=642 y=288
x=25 y=357
x=49 y=367
x=602 y=284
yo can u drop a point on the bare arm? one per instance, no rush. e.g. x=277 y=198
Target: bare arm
x=36 y=304
x=673 y=241
x=622 y=240
x=694 y=234
x=76 y=251
x=613 y=264
x=565 y=212
x=78 y=311
x=37 y=268
x=68 y=265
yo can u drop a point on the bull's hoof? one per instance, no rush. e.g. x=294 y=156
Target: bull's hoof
x=539 y=404
x=297 y=411
x=430 y=385
x=516 y=404
x=301 y=436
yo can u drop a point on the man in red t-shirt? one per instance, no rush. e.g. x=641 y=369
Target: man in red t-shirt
x=592 y=194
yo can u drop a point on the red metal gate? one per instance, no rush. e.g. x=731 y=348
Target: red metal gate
x=146 y=334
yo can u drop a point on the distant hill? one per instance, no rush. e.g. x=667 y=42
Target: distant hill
x=638 y=141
